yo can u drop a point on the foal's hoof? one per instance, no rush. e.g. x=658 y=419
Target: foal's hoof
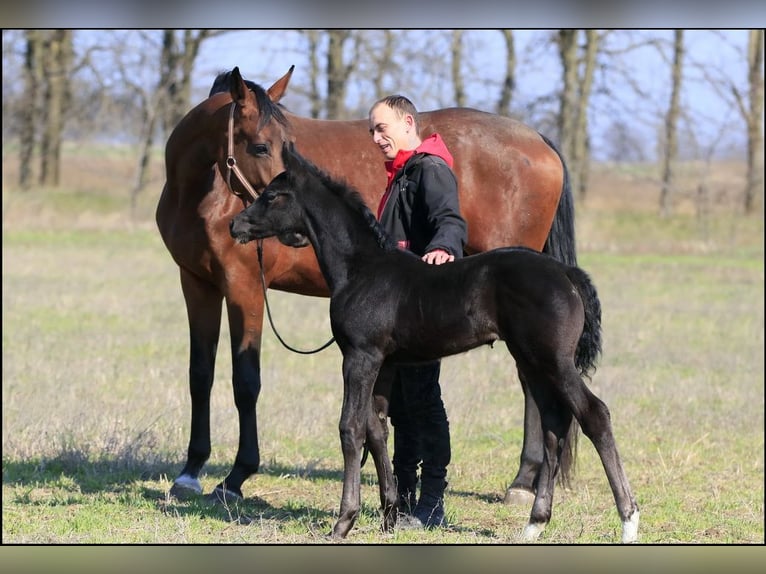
x=517 y=496
x=221 y=495
x=630 y=529
x=532 y=531
x=185 y=487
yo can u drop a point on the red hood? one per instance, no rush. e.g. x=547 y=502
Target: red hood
x=433 y=144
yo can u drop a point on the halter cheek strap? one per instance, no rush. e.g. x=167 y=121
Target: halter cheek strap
x=231 y=161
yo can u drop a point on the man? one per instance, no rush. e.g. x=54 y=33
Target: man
x=421 y=212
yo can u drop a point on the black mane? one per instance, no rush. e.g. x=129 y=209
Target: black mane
x=349 y=195
x=267 y=108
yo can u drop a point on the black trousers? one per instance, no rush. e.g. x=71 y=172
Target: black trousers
x=421 y=428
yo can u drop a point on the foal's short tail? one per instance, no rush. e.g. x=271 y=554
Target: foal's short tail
x=589 y=345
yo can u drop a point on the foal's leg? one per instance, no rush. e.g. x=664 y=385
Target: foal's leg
x=359 y=374
x=203 y=308
x=377 y=441
x=595 y=421
x=522 y=489
x=555 y=419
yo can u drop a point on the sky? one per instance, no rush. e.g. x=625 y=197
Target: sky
x=708 y=113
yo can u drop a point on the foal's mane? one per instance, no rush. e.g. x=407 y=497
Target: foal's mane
x=350 y=196
x=267 y=108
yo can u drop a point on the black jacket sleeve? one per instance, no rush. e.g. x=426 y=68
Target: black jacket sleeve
x=437 y=204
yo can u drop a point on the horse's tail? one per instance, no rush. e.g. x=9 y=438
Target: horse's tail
x=560 y=243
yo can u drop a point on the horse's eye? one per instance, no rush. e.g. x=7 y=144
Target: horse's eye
x=259 y=150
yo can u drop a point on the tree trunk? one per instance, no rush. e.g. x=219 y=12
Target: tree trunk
x=671 y=121
x=337 y=74
x=31 y=112
x=580 y=147
x=176 y=66
x=457 y=64
x=754 y=185
x=567 y=44
x=509 y=82
x=58 y=63
x=314 y=95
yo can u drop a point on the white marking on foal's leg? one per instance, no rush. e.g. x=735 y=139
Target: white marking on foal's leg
x=630 y=529
x=188 y=483
x=532 y=531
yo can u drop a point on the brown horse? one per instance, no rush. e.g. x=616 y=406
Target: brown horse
x=513 y=187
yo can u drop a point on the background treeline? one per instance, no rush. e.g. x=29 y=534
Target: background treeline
x=639 y=88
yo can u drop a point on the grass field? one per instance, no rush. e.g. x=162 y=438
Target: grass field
x=96 y=408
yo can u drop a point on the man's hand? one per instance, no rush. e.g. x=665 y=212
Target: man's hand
x=437 y=257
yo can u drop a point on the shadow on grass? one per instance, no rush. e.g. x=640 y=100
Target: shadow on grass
x=114 y=474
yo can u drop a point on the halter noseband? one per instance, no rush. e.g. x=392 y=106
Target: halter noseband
x=231 y=161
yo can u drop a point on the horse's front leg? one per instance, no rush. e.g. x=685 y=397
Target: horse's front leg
x=359 y=373
x=377 y=441
x=203 y=308
x=245 y=311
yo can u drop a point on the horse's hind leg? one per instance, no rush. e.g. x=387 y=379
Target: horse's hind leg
x=203 y=307
x=595 y=421
x=522 y=489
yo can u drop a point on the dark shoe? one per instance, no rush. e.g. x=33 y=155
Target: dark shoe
x=430 y=511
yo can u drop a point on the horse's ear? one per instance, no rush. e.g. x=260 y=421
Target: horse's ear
x=237 y=87
x=278 y=89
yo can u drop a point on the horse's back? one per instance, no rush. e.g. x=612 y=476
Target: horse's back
x=509 y=178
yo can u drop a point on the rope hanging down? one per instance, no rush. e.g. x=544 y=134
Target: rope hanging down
x=259 y=246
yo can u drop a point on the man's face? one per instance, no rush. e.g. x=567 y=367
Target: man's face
x=389 y=131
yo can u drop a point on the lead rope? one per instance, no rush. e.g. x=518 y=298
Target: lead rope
x=259 y=246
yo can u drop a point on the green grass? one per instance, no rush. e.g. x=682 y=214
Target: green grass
x=96 y=407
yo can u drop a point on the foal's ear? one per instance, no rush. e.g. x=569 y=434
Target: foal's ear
x=289 y=158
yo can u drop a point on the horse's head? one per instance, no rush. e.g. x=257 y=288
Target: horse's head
x=255 y=130
x=277 y=211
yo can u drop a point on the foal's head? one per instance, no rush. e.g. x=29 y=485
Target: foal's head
x=279 y=211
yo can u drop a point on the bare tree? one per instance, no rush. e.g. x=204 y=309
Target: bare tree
x=456 y=49
x=338 y=72
x=176 y=65
x=670 y=156
x=33 y=82
x=58 y=53
x=315 y=98
x=509 y=81
x=753 y=115
x=580 y=142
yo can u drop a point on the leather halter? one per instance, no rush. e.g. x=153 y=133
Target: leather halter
x=231 y=161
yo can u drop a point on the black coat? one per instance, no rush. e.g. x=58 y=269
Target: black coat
x=423 y=207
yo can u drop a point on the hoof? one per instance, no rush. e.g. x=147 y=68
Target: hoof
x=224 y=496
x=630 y=529
x=532 y=531
x=185 y=487
x=516 y=496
